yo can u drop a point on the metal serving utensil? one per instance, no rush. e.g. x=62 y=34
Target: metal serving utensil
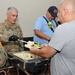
x=22 y=41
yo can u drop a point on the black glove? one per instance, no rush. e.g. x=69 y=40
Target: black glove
x=13 y=38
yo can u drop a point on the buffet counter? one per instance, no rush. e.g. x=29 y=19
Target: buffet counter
x=29 y=63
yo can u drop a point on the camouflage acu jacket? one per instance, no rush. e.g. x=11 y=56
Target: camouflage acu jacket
x=6 y=31
x=3 y=56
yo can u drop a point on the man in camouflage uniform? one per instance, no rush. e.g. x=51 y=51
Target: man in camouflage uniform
x=8 y=28
x=3 y=56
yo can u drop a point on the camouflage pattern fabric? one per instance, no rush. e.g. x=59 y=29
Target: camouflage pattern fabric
x=6 y=31
x=3 y=57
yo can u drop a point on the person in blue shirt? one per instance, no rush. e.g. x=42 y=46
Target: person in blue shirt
x=45 y=26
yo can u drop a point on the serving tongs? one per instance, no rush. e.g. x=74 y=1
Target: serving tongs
x=25 y=43
x=22 y=41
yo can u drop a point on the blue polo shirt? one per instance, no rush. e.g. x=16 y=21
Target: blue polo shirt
x=42 y=25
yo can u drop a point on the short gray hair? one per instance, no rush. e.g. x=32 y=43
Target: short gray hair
x=11 y=8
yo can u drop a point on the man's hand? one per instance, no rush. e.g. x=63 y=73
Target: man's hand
x=33 y=50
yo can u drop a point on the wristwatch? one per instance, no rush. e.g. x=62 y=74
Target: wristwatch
x=49 y=40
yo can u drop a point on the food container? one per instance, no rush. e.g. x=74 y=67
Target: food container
x=33 y=64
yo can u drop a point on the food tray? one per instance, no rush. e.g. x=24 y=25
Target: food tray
x=33 y=61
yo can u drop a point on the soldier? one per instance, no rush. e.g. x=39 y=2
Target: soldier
x=8 y=28
x=3 y=56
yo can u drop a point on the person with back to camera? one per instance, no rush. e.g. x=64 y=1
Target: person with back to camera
x=45 y=26
x=61 y=47
x=10 y=28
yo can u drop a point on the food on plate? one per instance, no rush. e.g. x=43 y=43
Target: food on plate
x=32 y=44
x=38 y=45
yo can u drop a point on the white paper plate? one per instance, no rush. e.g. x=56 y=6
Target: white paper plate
x=27 y=46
